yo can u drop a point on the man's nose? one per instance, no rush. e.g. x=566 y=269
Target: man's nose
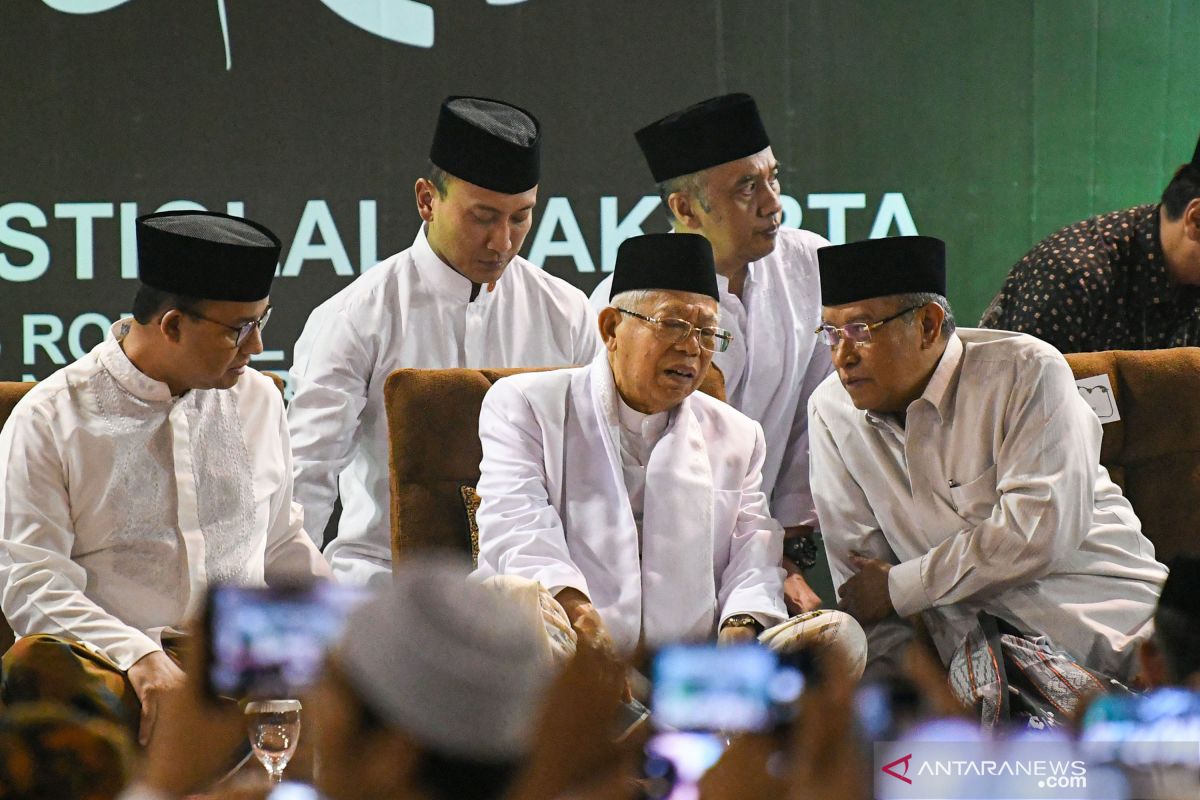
x=844 y=352
x=690 y=344
x=253 y=343
x=500 y=238
x=771 y=203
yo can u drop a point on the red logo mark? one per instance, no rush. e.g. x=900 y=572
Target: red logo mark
x=887 y=768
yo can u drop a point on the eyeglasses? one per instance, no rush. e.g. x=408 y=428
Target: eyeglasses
x=857 y=332
x=243 y=331
x=714 y=340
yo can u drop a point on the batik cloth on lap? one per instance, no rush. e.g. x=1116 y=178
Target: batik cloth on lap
x=542 y=610
x=49 y=668
x=1009 y=677
x=50 y=751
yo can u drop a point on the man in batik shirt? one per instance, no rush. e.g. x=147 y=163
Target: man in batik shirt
x=1127 y=280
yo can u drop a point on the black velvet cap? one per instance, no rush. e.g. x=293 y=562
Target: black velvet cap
x=206 y=255
x=881 y=267
x=675 y=262
x=711 y=132
x=1181 y=591
x=488 y=143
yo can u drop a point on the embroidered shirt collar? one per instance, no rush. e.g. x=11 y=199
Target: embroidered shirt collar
x=131 y=379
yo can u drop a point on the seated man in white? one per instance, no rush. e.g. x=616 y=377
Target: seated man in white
x=958 y=472
x=636 y=501
x=153 y=466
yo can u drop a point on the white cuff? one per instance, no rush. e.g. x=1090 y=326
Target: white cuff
x=906 y=588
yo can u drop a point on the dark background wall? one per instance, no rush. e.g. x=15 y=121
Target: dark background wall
x=989 y=124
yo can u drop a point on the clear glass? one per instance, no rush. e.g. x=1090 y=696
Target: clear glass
x=274 y=729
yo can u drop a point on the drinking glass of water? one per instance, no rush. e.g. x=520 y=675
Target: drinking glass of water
x=274 y=728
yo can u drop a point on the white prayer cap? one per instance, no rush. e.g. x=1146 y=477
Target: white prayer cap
x=453 y=664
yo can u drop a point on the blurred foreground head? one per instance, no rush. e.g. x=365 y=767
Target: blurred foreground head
x=48 y=751
x=1172 y=655
x=432 y=691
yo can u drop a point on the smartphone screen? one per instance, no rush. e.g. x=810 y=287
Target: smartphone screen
x=1151 y=738
x=704 y=687
x=271 y=642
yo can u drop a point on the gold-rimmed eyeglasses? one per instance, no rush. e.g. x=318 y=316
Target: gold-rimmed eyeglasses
x=712 y=339
x=857 y=332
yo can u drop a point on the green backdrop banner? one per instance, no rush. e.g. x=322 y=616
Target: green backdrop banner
x=989 y=124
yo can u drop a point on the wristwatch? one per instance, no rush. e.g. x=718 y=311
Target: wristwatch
x=802 y=550
x=742 y=621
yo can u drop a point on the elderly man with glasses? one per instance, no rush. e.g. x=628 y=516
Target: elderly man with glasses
x=958 y=472
x=718 y=177
x=156 y=464
x=634 y=500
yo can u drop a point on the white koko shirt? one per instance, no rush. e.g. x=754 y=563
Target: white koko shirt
x=990 y=497
x=638 y=434
x=410 y=310
x=555 y=507
x=775 y=361
x=119 y=503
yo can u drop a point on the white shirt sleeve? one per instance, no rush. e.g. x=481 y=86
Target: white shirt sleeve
x=1046 y=499
x=520 y=532
x=290 y=553
x=588 y=343
x=331 y=382
x=792 y=503
x=752 y=582
x=849 y=525
x=41 y=588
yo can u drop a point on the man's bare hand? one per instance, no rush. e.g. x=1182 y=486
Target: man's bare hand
x=865 y=595
x=572 y=751
x=592 y=634
x=798 y=596
x=737 y=634
x=153 y=676
x=194 y=737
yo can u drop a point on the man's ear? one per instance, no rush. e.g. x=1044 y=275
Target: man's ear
x=931 y=317
x=684 y=207
x=609 y=317
x=1191 y=221
x=425 y=191
x=171 y=325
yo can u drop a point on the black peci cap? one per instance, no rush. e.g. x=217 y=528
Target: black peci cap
x=206 y=255
x=488 y=143
x=674 y=262
x=711 y=132
x=881 y=267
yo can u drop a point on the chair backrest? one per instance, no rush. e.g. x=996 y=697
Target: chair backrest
x=10 y=393
x=1153 y=451
x=434 y=449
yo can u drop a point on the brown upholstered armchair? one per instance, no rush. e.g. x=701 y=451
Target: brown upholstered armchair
x=433 y=419
x=1153 y=452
